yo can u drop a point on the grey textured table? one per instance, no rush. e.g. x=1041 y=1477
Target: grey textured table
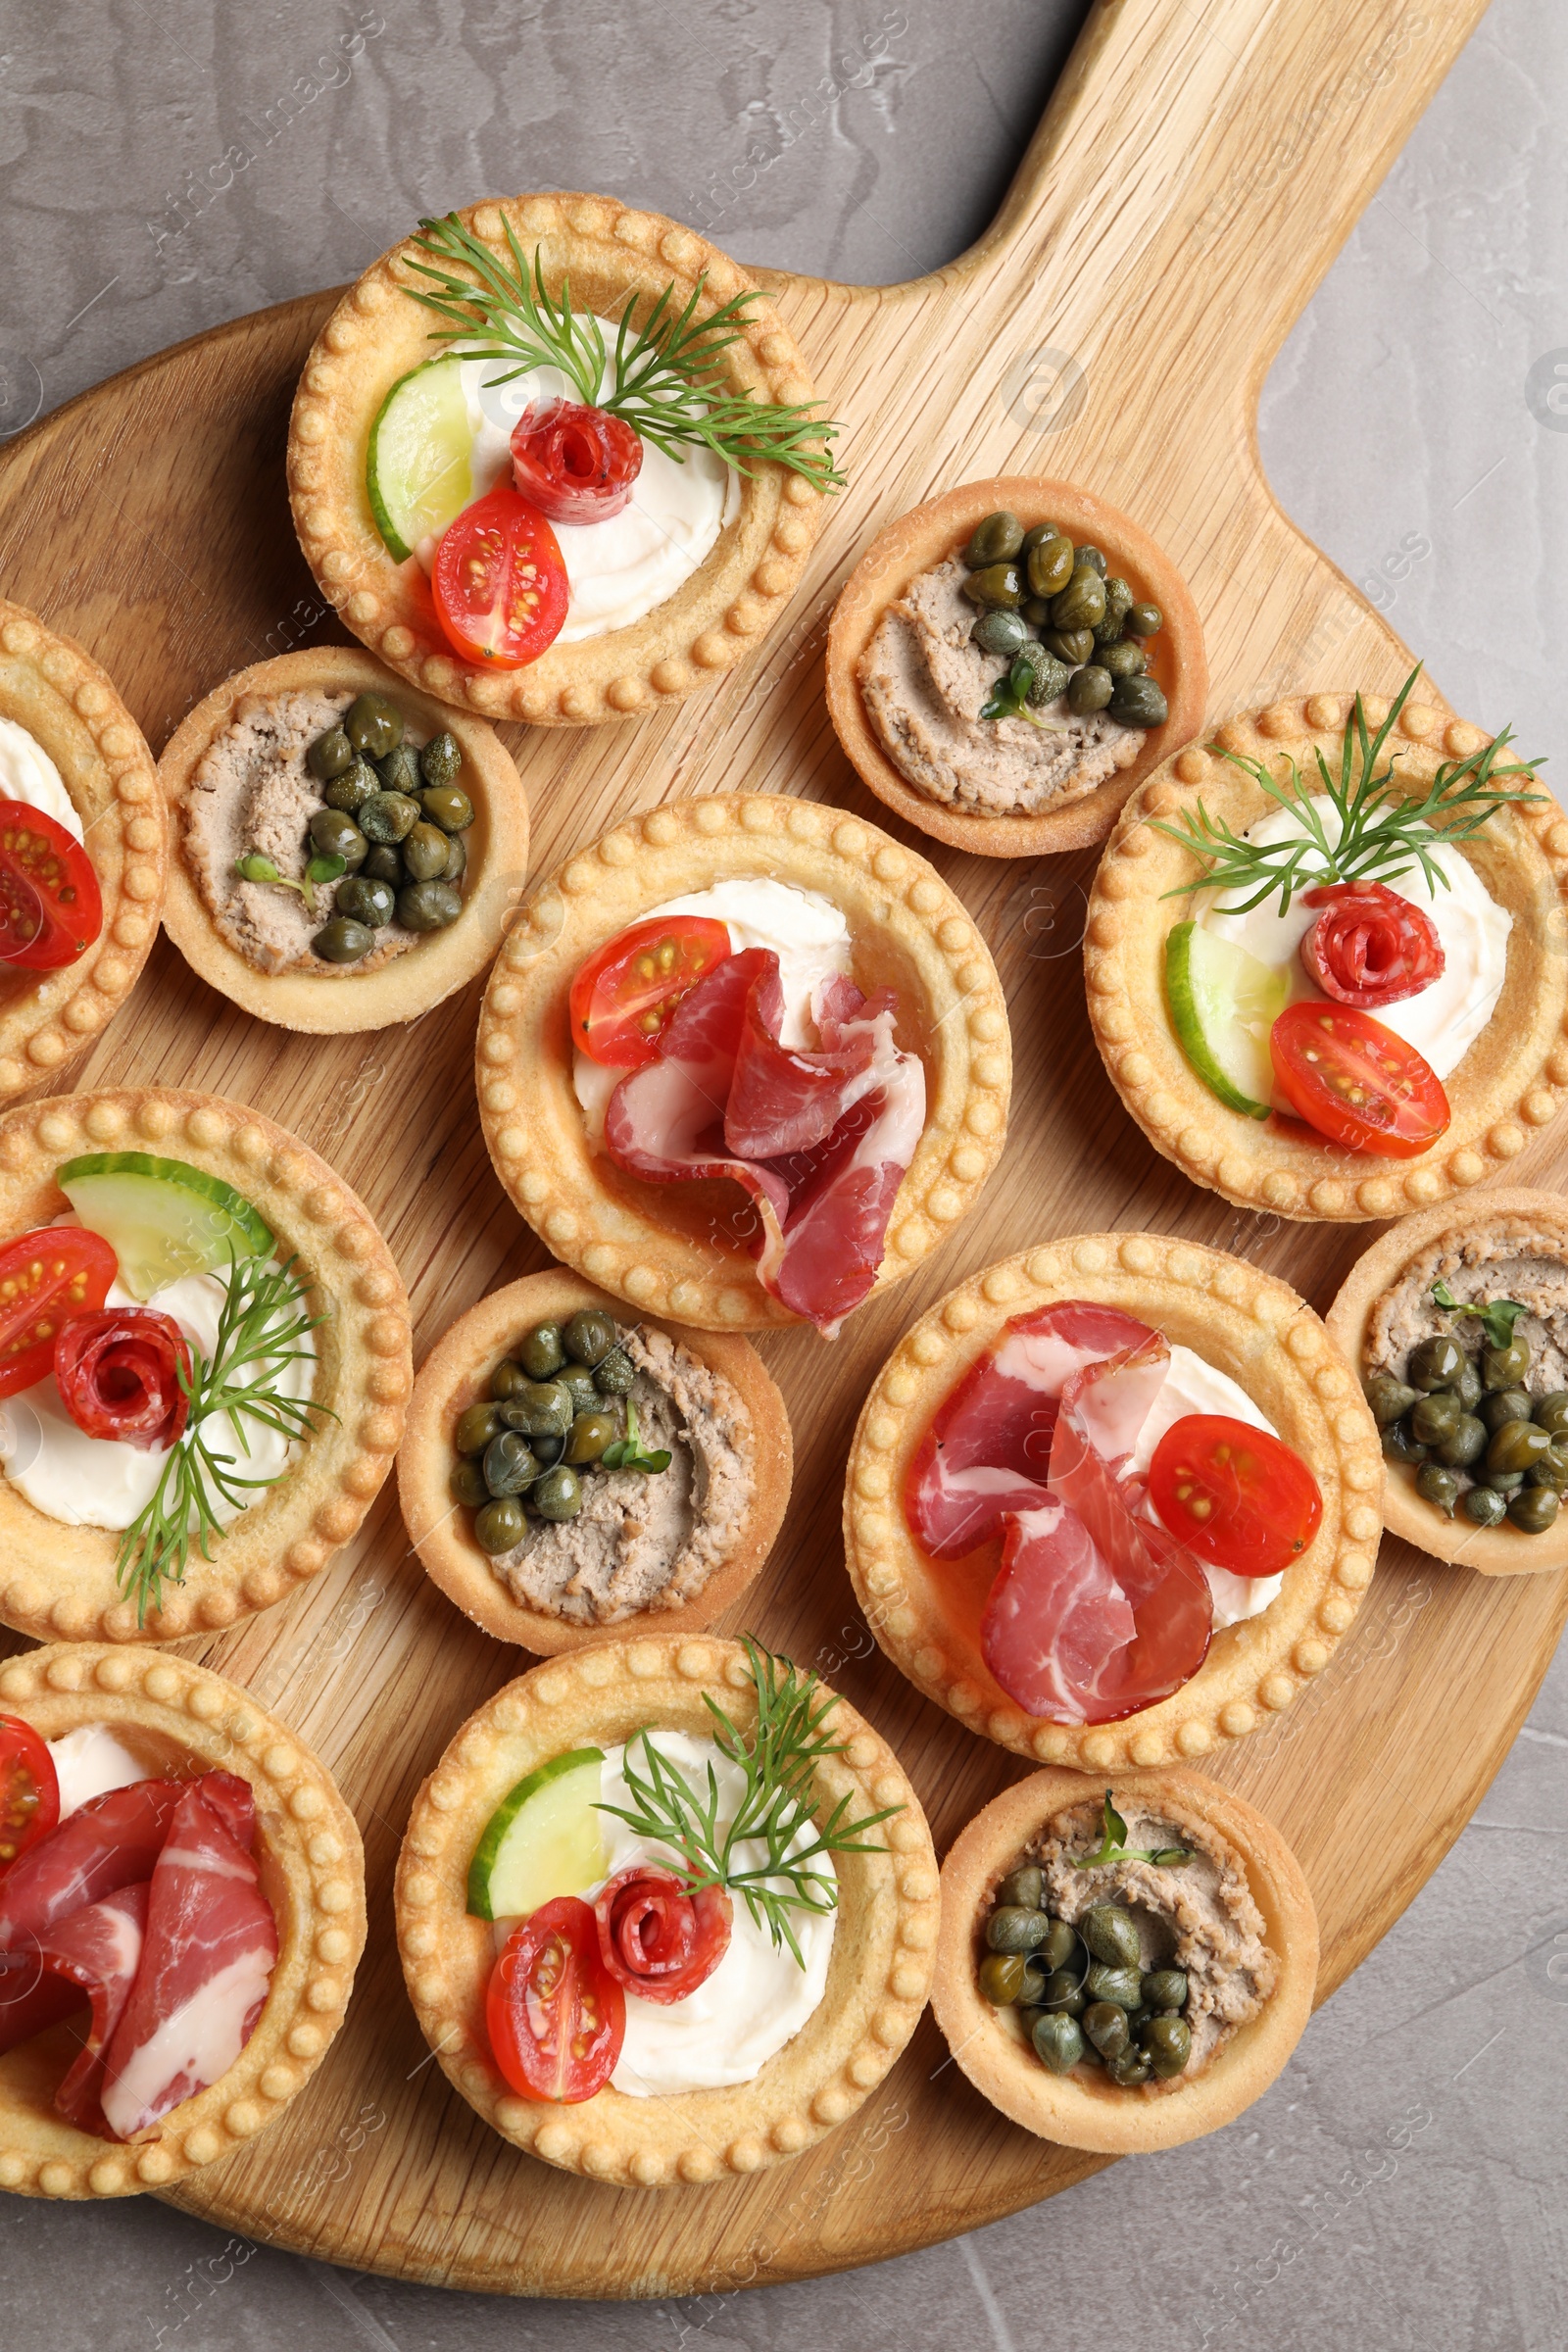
x=1403 y=2184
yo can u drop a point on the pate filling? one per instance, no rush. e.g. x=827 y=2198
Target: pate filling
x=1486 y=1265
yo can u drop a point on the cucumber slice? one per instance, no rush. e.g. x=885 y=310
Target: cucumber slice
x=1223 y=1003
x=543 y=1839
x=417 y=471
x=162 y=1217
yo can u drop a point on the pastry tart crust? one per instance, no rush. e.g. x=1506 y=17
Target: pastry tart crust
x=379 y=332
x=1532 y=1217
x=884 y=1943
x=59 y=1580
x=442 y=961
x=917 y=541
x=456 y=1374
x=678 y=1249
x=1511 y=1083
x=55 y=690
x=926 y=1614
x=1082 y=2111
x=313 y=1872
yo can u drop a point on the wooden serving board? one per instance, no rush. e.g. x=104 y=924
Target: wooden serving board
x=1196 y=170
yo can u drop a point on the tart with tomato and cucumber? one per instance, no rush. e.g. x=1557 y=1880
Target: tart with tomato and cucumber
x=1011 y=660
x=558 y=459
x=348 y=852
x=181 y=1912
x=1123 y=1968
x=742 y=1062
x=1322 y=957
x=204 y=1365
x=667 y=1910
x=83 y=851
x=1115 y=1501
x=611 y=1473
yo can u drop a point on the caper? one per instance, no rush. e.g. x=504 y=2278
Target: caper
x=1144 y=620
x=1139 y=702
x=614 y=1373
x=1169 y=2041
x=1165 y=1988
x=1123 y=659
x=998 y=632
x=1061 y=1989
x=1505 y=1482
x=1012 y=1929
x=446 y=806
x=508 y=1464
x=350 y=791
x=399 y=770
x=1435 y=1363
x=580 y=1385
x=549 y=1450
x=508 y=1380
x=1517 y=1446
x=1036 y=611
x=1118 y=604
x=1110 y=1934
x=457 y=864
x=1082 y=603
x=428 y=905
x=1129 y=2067
x=476 y=1427
x=424 y=853
x=540 y=1352
x=1466 y=1445
x=1552 y=1411
x=342 y=942
x=1047 y=677
x=374 y=725
x=1533 y=1509
x=364 y=901
x=499 y=1526
x=1467 y=1388
x=329 y=755
x=1035 y=536
x=1389 y=1399
x=1049 y=565
x=1090 y=689
x=1105 y=2025
x=1094 y=558
x=1071 y=646
x=1398 y=1445
x=441 y=758
x=1001 y=1977
x=589 y=1435
x=1435 y=1418
x=1058 y=2042
x=1506 y=1367
x=1063 y=1948
x=1118 y=1984
x=334 y=834
x=589 y=1336
x=999 y=586
x=1550 y=1471
x=540 y=1409
x=558 y=1494
x=1439 y=1487
x=467 y=1484
x=1508 y=1404
x=390 y=816
x=1024 y=1887
x=995 y=540
x=1484 y=1505
x=385 y=865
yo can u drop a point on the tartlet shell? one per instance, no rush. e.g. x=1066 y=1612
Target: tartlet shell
x=655 y=1246
x=1511 y=1083
x=1095 y=2114
x=444 y=960
x=60 y=1580
x=1493 y=1550
x=455 y=1375
x=313 y=1878
x=379 y=332
x=55 y=690
x=926 y=1614
x=914 y=543
x=884 y=1943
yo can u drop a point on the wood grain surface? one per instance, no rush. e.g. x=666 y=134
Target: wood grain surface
x=1196 y=170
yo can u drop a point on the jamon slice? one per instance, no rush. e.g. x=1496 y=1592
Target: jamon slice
x=666 y=1120
x=96 y=1952
x=112 y=1841
x=32 y=1999
x=783 y=1100
x=1058 y=1619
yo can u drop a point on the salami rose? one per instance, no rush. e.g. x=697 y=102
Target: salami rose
x=655 y=1938
x=118 y=1373
x=1369 y=946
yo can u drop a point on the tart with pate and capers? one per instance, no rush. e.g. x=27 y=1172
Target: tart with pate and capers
x=83 y=851
x=1007 y=662
x=611 y=1473
x=204 y=1365
x=348 y=852
x=668 y=1911
x=1113 y=1503
x=1457 y=1321
x=558 y=459
x=1324 y=956
x=1123 y=1969
x=181 y=1913
x=744 y=1060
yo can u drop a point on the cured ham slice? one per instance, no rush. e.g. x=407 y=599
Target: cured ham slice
x=111 y=1841
x=1056 y=1617
x=208 y=1957
x=32 y=1999
x=96 y=1952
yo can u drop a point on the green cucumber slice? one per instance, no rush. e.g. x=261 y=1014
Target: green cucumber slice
x=1223 y=1002
x=162 y=1218
x=417 y=471
x=544 y=1838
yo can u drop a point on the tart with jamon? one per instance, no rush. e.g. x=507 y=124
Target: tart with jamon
x=558 y=459
x=1008 y=661
x=181 y=1913
x=1114 y=1503
x=1323 y=957
x=83 y=851
x=668 y=1911
x=204 y=1365
x=744 y=1060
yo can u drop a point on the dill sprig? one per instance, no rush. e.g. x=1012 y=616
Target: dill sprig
x=777 y=1805
x=1382 y=832
x=667 y=385
x=260 y=1331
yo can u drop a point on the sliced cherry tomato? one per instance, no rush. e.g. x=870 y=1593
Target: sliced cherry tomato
x=500 y=581
x=574 y=464
x=655 y=1938
x=555 y=2015
x=118 y=1373
x=1369 y=946
x=30 y=1789
x=46 y=1278
x=1356 y=1082
x=622 y=997
x=51 y=908
x=1239 y=1497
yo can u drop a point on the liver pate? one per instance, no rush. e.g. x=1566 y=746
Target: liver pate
x=1491 y=1263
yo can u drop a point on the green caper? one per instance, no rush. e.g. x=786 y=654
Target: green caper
x=1552 y=1411
x=1517 y=1446
x=1111 y=1934
x=1533 y=1509
x=1024 y=1887
x=508 y=1464
x=1123 y=659
x=1144 y=620
x=508 y=1380
x=364 y=901
x=1485 y=1506
x=1139 y=702
x=995 y=540
x=549 y=1450
x=390 y=816
x=590 y=1335
x=1435 y=1363
x=1505 y=1482
x=399 y=770
x=385 y=865
x=1506 y=1367
x=558 y=1494
x=1550 y=1471
x=1467 y=1388
x=476 y=1427
x=1465 y=1445
x=428 y=905
x=441 y=760
x=1118 y=1984
x=1072 y=646
x=589 y=1435
x=1000 y=587
x=351 y=789
x=1118 y=604
x=1035 y=536
x=467 y=1484
x=499 y=1526
x=580 y=1385
x=1082 y=603
x=1105 y=2025
x=1165 y=1988
x=1002 y=634
x=540 y=1409
x=1001 y=1977
x=1398 y=1445
x=540 y=1352
x=1061 y=1989
x=424 y=853
x=1168 y=2041
x=329 y=755
x=457 y=864
x=1129 y=2067
x=1436 y=1417
x=1090 y=689
x=1508 y=1404
x=1058 y=2042
x=1046 y=675
x=1049 y=565
x=1036 y=611
x=1063 y=1948
x=374 y=725
x=614 y=1373
x=446 y=806
x=1012 y=1929
x=333 y=834
x=342 y=942
x=1389 y=1399
x=1439 y=1487
x=1094 y=558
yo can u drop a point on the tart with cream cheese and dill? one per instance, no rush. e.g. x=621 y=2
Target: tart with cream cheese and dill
x=667 y=1910
x=204 y=1365
x=558 y=459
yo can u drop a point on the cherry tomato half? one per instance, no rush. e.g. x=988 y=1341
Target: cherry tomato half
x=557 y=2017
x=1356 y=1082
x=29 y=1790
x=46 y=1280
x=622 y=997
x=1238 y=1497
x=500 y=581
x=574 y=464
x=51 y=908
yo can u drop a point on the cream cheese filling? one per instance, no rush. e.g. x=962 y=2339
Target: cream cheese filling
x=28 y=774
